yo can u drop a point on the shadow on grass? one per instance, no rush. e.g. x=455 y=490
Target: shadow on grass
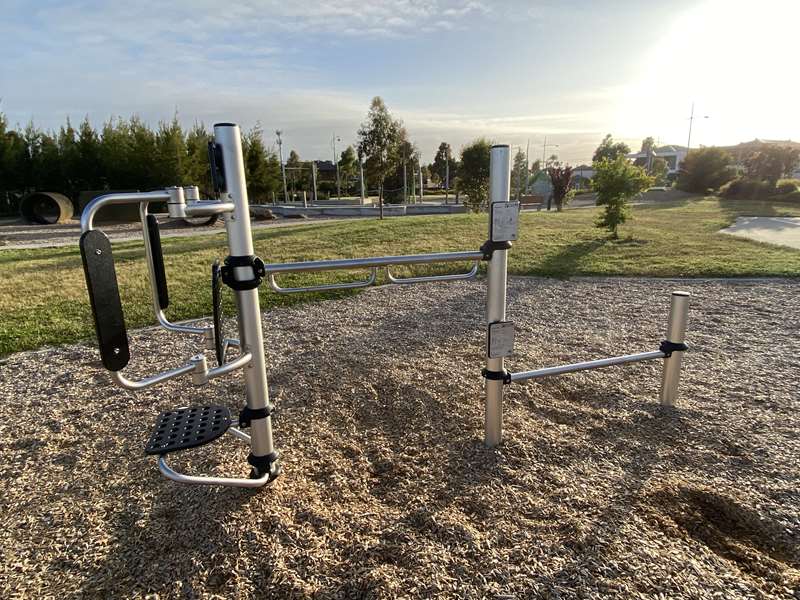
x=567 y=261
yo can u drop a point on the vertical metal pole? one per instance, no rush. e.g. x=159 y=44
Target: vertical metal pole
x=361 y=177
x=496 y=276
x=240 y=242
x=405 y=182
x=421 y=183
x=446 y=174
x=314 y=180
x=676 y=332
x=283 y=169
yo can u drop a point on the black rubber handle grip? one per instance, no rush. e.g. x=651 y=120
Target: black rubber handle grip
x=158 y=261
x=101 y=281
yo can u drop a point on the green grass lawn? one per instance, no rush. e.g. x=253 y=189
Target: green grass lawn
x=43 y=300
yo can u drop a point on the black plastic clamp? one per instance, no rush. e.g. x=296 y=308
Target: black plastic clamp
x=247 y=414
x=266 y=464
x=503 y=375
x=233 y=262
x=668 y=347
x=490 y=246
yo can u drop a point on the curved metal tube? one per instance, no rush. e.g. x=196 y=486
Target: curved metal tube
x=227 y=367
x=148 y=254
x=147 y=382
x=454 y=277
x=327 y=287
x=170 y=473
x=87 y=217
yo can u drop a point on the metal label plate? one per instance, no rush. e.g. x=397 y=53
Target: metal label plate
x=501 y=339
x=505 y=221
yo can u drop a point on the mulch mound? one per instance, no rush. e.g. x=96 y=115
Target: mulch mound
x=387 y=490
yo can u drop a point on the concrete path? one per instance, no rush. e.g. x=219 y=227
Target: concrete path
x=783 y=231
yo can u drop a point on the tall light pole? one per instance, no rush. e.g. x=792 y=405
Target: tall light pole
x=446 y=173
x=691 y=120
x=405 y=178
x=335 y=139
x=545 y=146
x=283 y=168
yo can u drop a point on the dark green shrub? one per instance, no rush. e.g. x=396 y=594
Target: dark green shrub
x=705 y=168
x=747 y=189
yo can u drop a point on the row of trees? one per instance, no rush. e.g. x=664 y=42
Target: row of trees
x=122 y=154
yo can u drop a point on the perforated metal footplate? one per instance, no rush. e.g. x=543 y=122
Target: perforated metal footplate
x=187 y=427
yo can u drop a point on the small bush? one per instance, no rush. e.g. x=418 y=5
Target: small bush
x=747 y=189
x=787 y=186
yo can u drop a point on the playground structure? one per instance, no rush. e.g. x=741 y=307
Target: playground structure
x=187 y=427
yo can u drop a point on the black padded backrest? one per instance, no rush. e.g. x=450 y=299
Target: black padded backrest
x=158 y=261
x=101 y=281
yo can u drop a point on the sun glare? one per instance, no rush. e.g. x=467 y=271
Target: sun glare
x=736 y=60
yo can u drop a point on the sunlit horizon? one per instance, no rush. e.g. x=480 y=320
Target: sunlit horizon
x=452 y=71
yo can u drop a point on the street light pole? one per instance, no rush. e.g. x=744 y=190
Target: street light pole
x=283 y=168
x=691 y=120
x=336 y=162
x=446 y=173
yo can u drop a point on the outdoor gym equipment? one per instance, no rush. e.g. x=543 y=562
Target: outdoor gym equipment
x=187 y=427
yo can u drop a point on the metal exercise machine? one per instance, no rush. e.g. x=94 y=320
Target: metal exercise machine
x=243 y=272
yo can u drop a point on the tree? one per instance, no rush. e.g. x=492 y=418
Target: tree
x=439 y=167
x=262 y=167
x=171 y=153
x=519 y=173
x=348 y=167
x=560 y=178
x=293 y=166
x=772 y=163
x=659 y=170
x=473 y=174
x=648 y=149
x=378 y=139
x=196 y=167
x=616 y=182
x=704 y=169
x=609 y=149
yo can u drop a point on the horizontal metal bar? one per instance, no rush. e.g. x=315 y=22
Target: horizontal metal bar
x=427 y=278
x=201 y=208
x=585 y=366
x=376 y=261
x=227 y=367
x=170 y=473
x=325 y=287
x=130 y=384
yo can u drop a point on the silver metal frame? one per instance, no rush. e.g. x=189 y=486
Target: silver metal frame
x=233 y=204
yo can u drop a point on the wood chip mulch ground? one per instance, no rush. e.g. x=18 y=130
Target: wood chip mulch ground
x=387 y=490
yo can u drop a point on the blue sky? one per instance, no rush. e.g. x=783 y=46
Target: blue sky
x=451 y=70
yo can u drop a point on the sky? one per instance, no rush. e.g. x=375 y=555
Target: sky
x=564 y=72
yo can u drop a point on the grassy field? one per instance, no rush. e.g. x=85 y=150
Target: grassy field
x=43 y=300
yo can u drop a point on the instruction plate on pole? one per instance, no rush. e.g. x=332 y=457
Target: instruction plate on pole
x=501 y=339
x=505 y=221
